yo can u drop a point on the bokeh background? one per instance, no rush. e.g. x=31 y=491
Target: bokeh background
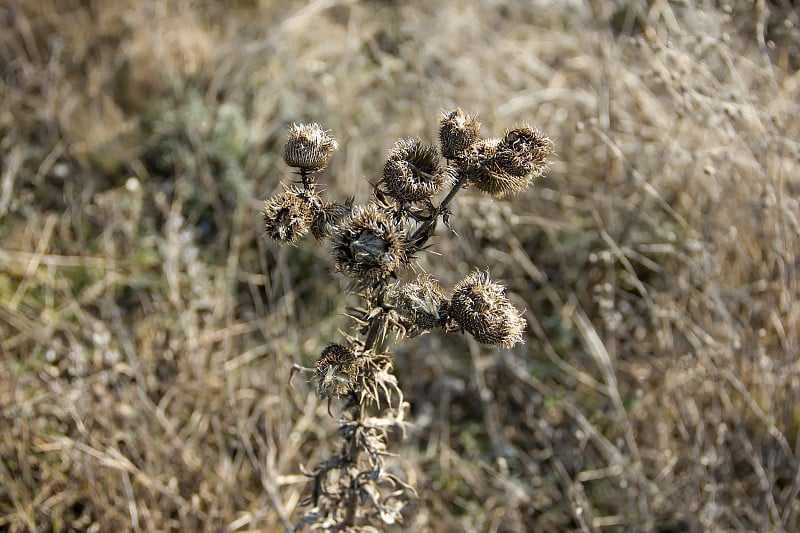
x=148 y=330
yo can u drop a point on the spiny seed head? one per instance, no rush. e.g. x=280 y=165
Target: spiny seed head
x=458 y=132
x=486 y=174
x=425 y=157
x=336 y=371
x=327 y=218
x=524 y=151
x=288 y=215
x=480 y=306
x=309 y=147
x=369 y=246
x=412 y=171
x=422 y=304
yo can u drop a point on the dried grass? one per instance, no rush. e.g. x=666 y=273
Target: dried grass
x=147 y=331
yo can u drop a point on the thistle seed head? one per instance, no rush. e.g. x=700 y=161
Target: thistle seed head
x=412 y=171
x=369 y=246
x=309 y=147
x=328 y=217
x=486 y=174
x=422 y=304
x=458 y=132
x=524 y=151
x=288 y=215
x=480 y=306
x=336 y=371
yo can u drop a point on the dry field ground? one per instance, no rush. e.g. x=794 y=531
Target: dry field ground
x=148 y=329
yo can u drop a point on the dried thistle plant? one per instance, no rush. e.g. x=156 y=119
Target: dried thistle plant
x=373 y=245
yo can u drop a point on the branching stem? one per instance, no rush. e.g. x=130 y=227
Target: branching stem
x=425 y=231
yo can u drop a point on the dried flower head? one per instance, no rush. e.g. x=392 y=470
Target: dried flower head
x=328 y=216
x=480 y=306
x=486 y=173
x=309 y=147
x=458 y=132
x=422 y=304
x=412 y=171
x=288 y=215
x=370 y=246
x=336 y=371
x=524 y=152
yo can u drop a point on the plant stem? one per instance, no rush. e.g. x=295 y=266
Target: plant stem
x=355 y=451
x=427 y=228
x=376 y=325
x=307 y=179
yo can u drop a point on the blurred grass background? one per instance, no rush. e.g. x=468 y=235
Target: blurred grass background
x=147 y=330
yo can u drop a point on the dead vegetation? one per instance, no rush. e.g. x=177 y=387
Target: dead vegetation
x=148 y=330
